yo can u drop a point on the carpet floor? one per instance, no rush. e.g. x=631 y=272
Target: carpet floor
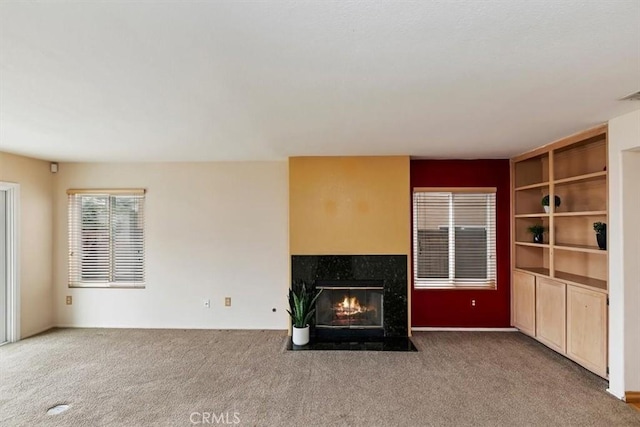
x=132 y=377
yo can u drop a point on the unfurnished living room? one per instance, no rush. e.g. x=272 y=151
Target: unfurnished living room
x=319 y=213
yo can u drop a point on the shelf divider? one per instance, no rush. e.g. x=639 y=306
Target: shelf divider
x=533 y=215
x=582 y=281
x=580 y=248
x=532 y=186
x=582 y=213
x=585 y=177
x=538 y=271
x=534 y=245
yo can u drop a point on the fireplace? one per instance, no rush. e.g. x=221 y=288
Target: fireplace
x=350 y=304
x=363 y=296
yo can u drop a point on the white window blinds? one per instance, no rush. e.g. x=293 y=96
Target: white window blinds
x=454 y=238
x=106 y=237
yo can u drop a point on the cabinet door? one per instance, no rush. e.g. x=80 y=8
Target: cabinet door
x=587 y=328
x=524 y=298
x=551 y=313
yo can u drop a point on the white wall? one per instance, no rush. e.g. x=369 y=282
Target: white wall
x=624 y=250
x=213 y=230
x=35 y=239
x=631 y=242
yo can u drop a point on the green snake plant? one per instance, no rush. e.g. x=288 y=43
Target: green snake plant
x=302 y=304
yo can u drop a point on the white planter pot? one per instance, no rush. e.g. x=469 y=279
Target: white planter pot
x=546 y=209
x=300 y=335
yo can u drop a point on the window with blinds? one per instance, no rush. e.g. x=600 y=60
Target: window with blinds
x=454 y=238
x=106 y=238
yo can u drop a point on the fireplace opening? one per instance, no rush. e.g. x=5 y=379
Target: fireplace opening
x=350 y=306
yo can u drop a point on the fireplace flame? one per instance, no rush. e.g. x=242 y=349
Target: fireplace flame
x=349 y=306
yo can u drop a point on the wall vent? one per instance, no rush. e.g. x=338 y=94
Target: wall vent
x=633 y=97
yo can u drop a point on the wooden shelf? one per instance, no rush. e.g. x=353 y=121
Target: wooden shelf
x=533 y=215
x=532 y=186
x=582 y=213
x=572 y=279
x=585 y=177
x=535 y=245
x=582 y=281
x=566 y=247
x=580 y=248
x=538 y=271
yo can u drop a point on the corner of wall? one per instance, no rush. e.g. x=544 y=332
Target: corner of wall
x=624 y=134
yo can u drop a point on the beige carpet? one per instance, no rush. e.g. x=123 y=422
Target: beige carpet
x=164 y=377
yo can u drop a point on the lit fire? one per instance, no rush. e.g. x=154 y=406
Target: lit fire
x=349 y=306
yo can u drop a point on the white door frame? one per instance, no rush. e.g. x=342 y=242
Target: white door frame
x=13 y=259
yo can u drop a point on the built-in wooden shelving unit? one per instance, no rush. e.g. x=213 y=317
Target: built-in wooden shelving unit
x=575 y=170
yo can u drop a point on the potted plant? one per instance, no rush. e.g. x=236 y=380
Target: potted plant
x=545 y=202
x=302 y=303
x=537 y=230
x=601 y=234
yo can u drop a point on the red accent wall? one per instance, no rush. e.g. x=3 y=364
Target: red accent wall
x=452 y=308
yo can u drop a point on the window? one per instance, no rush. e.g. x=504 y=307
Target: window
x=454 y=238
x=106 y=238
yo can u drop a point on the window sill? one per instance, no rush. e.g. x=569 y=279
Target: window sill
x=108 y=286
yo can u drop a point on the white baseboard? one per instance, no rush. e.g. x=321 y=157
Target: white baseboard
x=431 y=329
x=618 y=396
x=186 y=328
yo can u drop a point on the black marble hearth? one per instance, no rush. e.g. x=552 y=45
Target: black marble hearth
x=390 y=271
x=362 y=344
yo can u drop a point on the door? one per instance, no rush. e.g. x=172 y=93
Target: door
x=551 y=313
x=4 y=301
x=587 y=328
x=524 y=302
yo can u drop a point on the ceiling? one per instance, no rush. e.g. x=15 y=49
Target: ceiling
x=255 y=80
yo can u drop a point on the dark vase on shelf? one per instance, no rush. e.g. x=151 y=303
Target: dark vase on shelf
x=602 y=240
x=537 y=238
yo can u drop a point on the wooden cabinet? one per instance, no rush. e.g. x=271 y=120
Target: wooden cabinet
x=587 y=328
x=551 y=313
x=567 y=271
x=524 y=302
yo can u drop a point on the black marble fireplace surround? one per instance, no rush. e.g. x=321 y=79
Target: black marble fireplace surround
x=389 y=271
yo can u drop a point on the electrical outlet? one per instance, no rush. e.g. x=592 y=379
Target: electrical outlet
x=69 y=300
x=207 y=303
x=227 y=302
x=473 y=303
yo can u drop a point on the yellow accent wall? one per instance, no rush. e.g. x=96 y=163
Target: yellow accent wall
x=349 y=205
